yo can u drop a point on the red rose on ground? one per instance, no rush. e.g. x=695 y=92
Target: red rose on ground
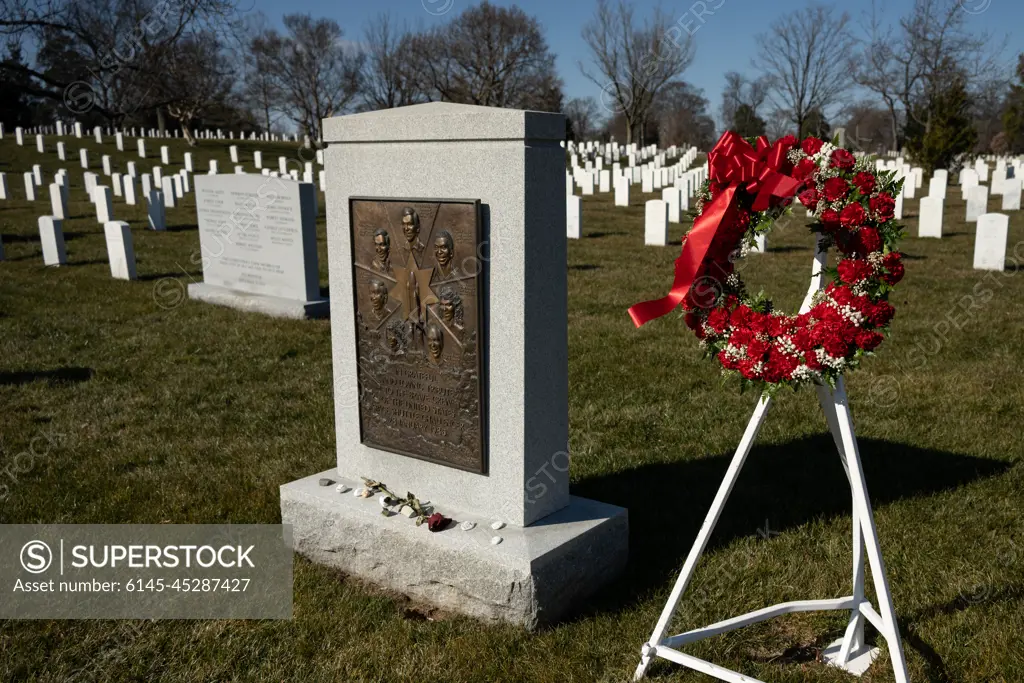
x=869 y=240
x=884 y=206
x=854 y=270
x=852 y=215
x=893 y=262
x=842 y=158
x=835 y=189
x=809 y=198
x=804 y=169
x=811 y=146
x=438 y=522
x=868 y=340
x=865 y=182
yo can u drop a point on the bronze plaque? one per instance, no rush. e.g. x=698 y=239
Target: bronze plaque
x=416 y=275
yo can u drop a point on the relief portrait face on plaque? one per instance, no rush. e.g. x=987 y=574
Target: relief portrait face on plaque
x=416 y=284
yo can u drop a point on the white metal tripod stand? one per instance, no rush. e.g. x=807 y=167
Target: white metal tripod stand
x=849 y=652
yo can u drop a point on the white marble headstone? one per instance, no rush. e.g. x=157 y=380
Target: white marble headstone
x=930 y=219
x=990 y=241
x=977 y=202
x=656 y=222
x=258 y=235
x=120 y=251
x=51 y=236
x=573 y=216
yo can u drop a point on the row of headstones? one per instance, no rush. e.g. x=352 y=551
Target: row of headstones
x=59 y=129
x=677 y=184
x=165 y=156
x=591 y=151
x=120 y=251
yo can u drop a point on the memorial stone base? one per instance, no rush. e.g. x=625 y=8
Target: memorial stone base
x=277 y=307
x=535 y=575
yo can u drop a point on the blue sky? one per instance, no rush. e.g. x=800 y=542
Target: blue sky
x=725 y=41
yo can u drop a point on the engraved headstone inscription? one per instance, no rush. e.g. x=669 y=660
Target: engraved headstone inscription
x=417 y=304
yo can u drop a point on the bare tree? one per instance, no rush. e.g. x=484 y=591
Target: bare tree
x=681 y=111
x=802 y=56
x=105 y=56
x=195 y=77
x=906 y=64
x=583 y=115
x=387 y=79
x=632 y=62
x=490 y=56
x=317 y=73
x=742 y=94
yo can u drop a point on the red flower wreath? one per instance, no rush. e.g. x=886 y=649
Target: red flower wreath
x=853 y=208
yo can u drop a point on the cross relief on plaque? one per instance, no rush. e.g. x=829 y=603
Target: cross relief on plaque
x=417 y=304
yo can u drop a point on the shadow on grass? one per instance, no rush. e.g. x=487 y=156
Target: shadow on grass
x=58 y=377
x=194 y=276
x=585 y=266
x=786 y=250
x=596 y=235
x=782 y=486
x=182 y=228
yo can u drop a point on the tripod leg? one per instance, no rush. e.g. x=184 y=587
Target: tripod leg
x=731 y=474
x=853 y=639
x=862 y=510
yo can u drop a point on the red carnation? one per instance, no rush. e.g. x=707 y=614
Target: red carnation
x=868 y=340
x=693 y=320
x=759 y=323
x=879 y=314
x=865 y=182
x=727 y=363
x=869 y=240
x=804 y=340
x=842 y=159
x=757 y=348
x=741 y=337
x=718 y=320
x=788 y=141
x=746 y=368
x=835 y=189
x=780 y=367
x=841 y=295
x=830 y=218
x=809 y=198
x=893 y=262
x=884 y=206
x=740 y=315
x=804 y=169
x=852 y=215
x=853 y=271
x=780 y=325
x=811 y=146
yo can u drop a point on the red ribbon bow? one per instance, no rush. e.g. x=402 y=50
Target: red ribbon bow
x=737 y=163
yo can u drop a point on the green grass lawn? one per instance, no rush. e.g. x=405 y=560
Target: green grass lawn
x=154 y=408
